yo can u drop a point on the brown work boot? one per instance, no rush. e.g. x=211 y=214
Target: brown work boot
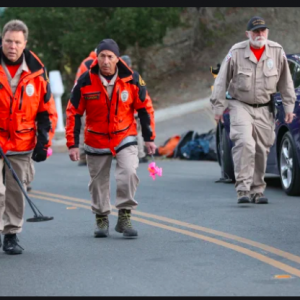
x=102 y=226
x=259 y=198
x=243 y=197
x=124 y=223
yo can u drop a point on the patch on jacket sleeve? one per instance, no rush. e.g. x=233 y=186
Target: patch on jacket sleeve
x=141 y=81
x=228 y=57
x=141 y=84
x=91 y=96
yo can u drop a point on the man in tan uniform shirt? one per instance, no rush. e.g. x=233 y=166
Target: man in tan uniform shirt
x=250 y=83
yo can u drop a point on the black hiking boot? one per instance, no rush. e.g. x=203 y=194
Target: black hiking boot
x=124 y=223
x=10 y=244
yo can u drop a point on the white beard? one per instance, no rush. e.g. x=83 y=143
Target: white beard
x=259 y=41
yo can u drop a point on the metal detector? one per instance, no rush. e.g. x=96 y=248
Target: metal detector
x=38 y=216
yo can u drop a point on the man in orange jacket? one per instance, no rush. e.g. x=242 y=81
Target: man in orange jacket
x=29 y=188
x=83 y=67
x=27 y=123
x=109 y=93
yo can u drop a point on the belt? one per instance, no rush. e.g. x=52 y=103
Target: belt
x=256 y=105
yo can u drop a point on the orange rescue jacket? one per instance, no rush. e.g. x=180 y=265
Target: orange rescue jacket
x=29 y=116
x=109 y=122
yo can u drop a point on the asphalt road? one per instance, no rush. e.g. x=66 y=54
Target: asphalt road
x=194 y=239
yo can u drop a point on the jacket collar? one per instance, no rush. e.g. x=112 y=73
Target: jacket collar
x=32 y=61
x=124 y=72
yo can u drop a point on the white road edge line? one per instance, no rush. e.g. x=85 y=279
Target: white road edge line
x=181 y=109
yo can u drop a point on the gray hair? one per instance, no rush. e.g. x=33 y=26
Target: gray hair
x=16 y=25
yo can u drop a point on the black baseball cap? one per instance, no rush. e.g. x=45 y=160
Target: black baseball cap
x=255 y=23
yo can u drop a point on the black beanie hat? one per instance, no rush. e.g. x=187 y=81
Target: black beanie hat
x=108 y=44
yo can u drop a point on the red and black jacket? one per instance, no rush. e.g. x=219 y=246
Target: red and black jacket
x=109 y=122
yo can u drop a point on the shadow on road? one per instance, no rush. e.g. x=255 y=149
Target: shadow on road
x=273 y=182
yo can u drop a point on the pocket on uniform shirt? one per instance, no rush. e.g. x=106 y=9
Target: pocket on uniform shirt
x=270 y=79
x=244 y=80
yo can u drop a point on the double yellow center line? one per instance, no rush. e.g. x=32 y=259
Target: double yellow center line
x=135 y=216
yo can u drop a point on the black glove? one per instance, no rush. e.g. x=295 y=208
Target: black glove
x=39 y=153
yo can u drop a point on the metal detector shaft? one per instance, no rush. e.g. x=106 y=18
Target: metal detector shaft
x=19 y=183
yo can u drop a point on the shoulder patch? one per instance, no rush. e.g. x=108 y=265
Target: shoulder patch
x=141 y=81
x=46 y=76
x=229 y=56
x=141 y=85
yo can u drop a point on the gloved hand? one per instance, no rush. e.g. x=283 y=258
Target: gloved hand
x=39 y=153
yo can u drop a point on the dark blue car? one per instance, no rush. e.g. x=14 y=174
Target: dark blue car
x=284 y=156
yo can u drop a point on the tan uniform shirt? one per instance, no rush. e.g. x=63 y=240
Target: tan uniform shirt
x=109 y=85
x=250 y=81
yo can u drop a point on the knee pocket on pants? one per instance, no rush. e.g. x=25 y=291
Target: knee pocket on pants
x=30 y=173
x=267 y=136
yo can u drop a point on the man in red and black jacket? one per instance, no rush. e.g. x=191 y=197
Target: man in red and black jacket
x=27 y=123
x=109 y=93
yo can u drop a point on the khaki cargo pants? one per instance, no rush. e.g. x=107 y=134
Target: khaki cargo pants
x=252 y=131
x=126 y=178
x=140 y=140
x=12 y=200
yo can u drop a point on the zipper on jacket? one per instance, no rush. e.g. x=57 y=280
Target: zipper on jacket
x=11 y=103
x=21 y=98
x=117 y=105
x=108 y=113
